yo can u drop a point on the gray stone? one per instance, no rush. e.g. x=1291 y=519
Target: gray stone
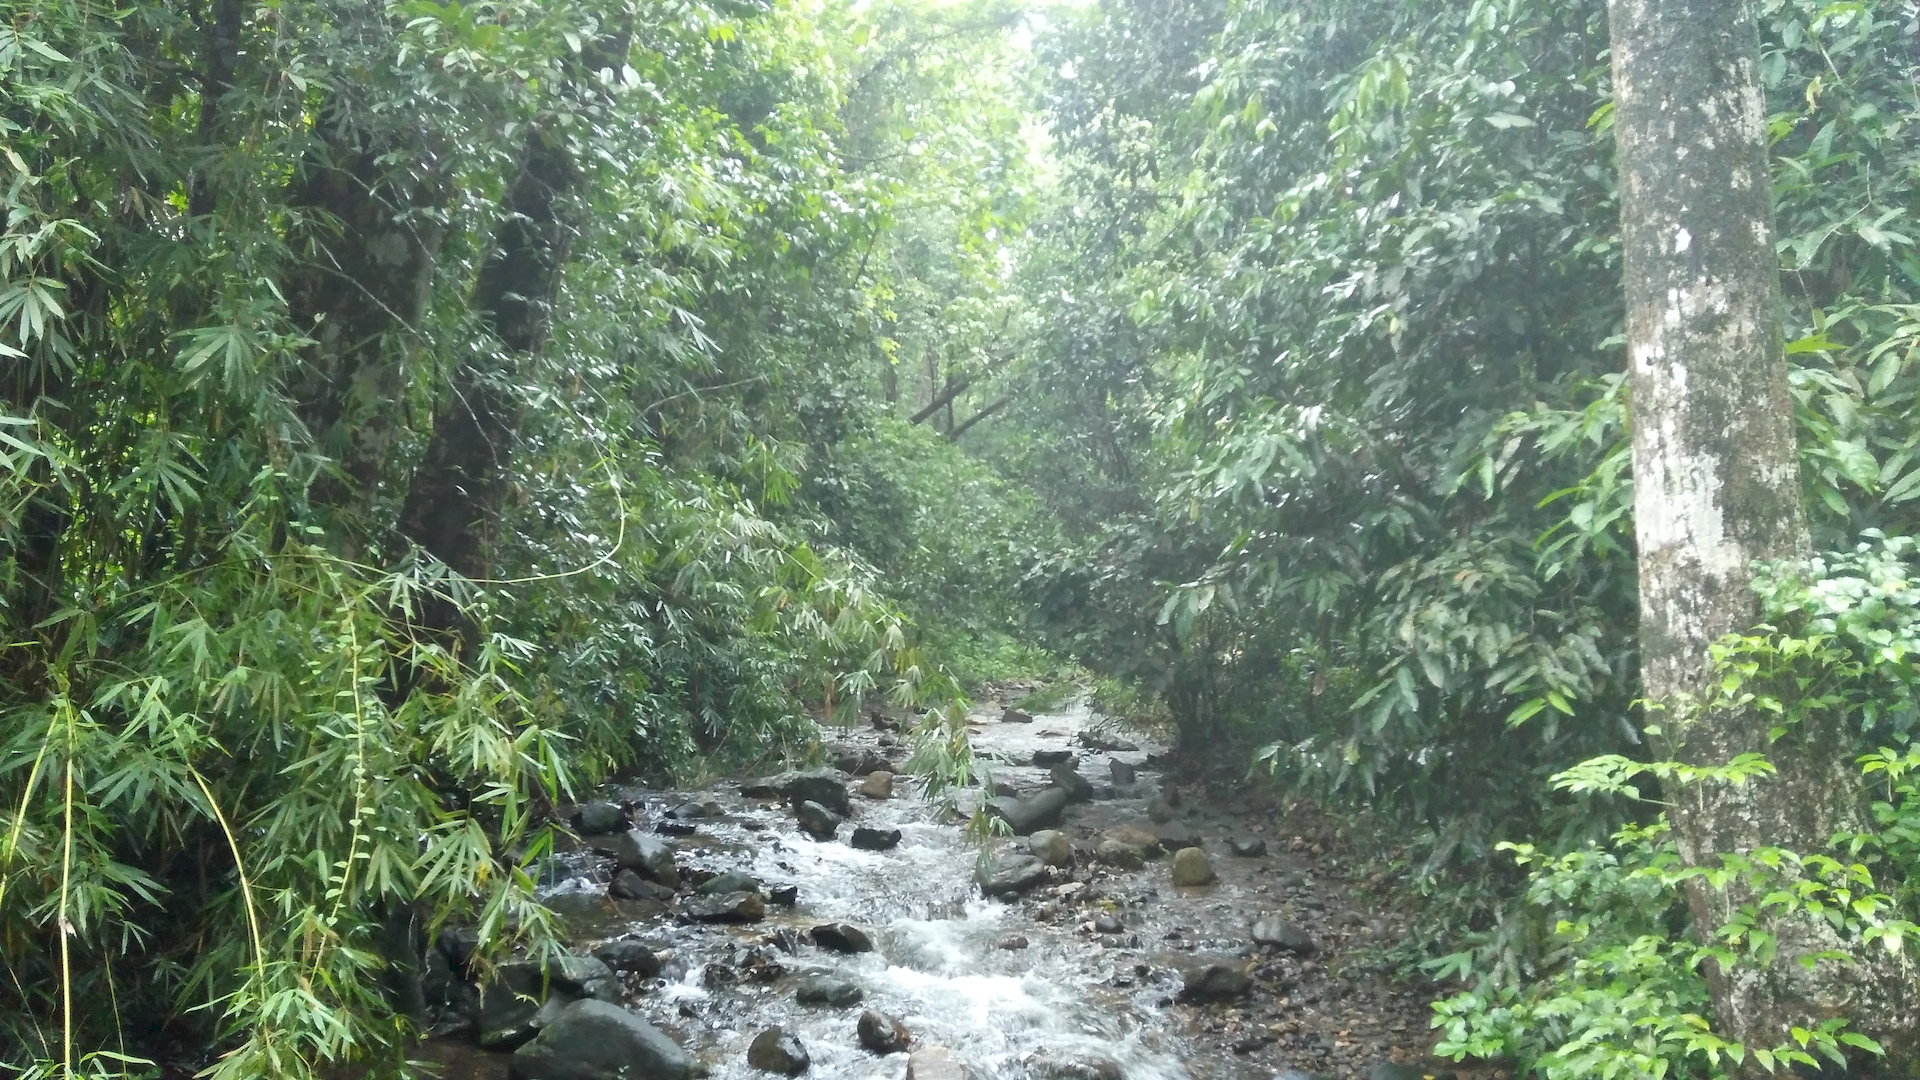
x=841 y=937
x=730 y=882
x=1047 y=759
x=524 y=996
x=1120 y=856
x=1192 y=867
x=600 y=818
x=877 y=785
x=1107 y=924
x=1093 y=740
x=629 y=885
x=1213 y=980
x=784 y=895
x=935 y=1063
x=595 y=1040
x=1280 y=934
x=874 y=839
x=695 y=810
x=1012 y=942
x=776 y=1051
x=825 y=990
x=882 y=1034
x=1077 y=1067
x=1016 y=716
x=1248 y=847
x=1010 y=875
x=823 y=786
x=648 y=856
x=1173 y=836
x=629 y=955
x=1123 y=773
x=1040 y=811
x=817 y=820
x=1160 y=811
x=1051 y=847
x=739 y=907
x=1069 y=780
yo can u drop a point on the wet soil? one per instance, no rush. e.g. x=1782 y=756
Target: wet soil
x=1095 y=989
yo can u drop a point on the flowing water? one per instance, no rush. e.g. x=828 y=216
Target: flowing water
x=1072 y=1003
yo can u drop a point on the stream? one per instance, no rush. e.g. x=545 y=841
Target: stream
x=1084 y=976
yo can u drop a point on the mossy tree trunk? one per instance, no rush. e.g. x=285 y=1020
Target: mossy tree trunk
x=1716 y=475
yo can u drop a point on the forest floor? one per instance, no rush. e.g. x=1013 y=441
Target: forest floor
x=1101 y=968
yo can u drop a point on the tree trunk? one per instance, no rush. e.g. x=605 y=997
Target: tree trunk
x=1716 y=473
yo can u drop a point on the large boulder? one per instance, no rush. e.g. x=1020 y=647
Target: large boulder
x=1124 y=773
x=1047 y=759
x=629 y=955
x=525 y=996
x=827 y=990
x=823 y=786
x=730 y=882
x=630 y=885
x=1042 y=810
x=841 y=937
x=1016 y=716
x=648 y=856
x=1132 y=836
x=1010 y=875
x=736 y=907
x=877 y=785
x=599 y=819
x=1277 y=933
x=1119 y=856
x=595 y=1040
x=875 y=839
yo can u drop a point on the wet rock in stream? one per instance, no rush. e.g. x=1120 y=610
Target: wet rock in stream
x=1280 y=934
x=829 y=991
x=1192 y=867
x=1247 y=847
x=823 y=786
x=1010 y=875
x=1120 y=856
x=648 y=856
x=874 y=839
x=841 y=937
x=1016 y=716
x=599 y=818
x=738 y=907
x=777 y=1051
x=594 y=1040
x=629 y=885
x=1039 y=811
x=882 y=1034
x=629 y=956
x=1076 y=1067
x=877 y=785
x=1124 y=774
x=819 y=822
x=1069 y=780
x=1213 y=979
x=525 y=996
x=730 y=882
x=1051 y=847
x=1047 y=759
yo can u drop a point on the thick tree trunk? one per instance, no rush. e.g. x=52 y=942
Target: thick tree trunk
x=1715 y=472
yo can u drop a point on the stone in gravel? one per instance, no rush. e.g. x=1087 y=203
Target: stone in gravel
x=1248 y=847
x=1393 y=1070
x=773 y=1050
x=1213 y=980
x=599 y=819
x=1010 y=875
x=823 y=990
x=1107 y=924
x=1040 y=811
x=1012 y=942
x=877 y=785
x=784 y=895
x=1051 y=847
x=648 y=856
x=739 y=907
x=1047 y=759
x=1173 y=836
x=1120 y=856
x=817 y=820
x=859 y=762
x=841 y=937
x=1016 y=716
x=875 y=839
x=1123 y=773
x=882 y=1034
x=675 y=828
x=628 y=885
x=629 y=955
x=1192 y=867
x=695 y=810
x=1134 y=837
x=730 y=882
x=934 y=1063
x=1069 y=780
x=1280 y=934
x=525 y=996
x=595 y=1040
